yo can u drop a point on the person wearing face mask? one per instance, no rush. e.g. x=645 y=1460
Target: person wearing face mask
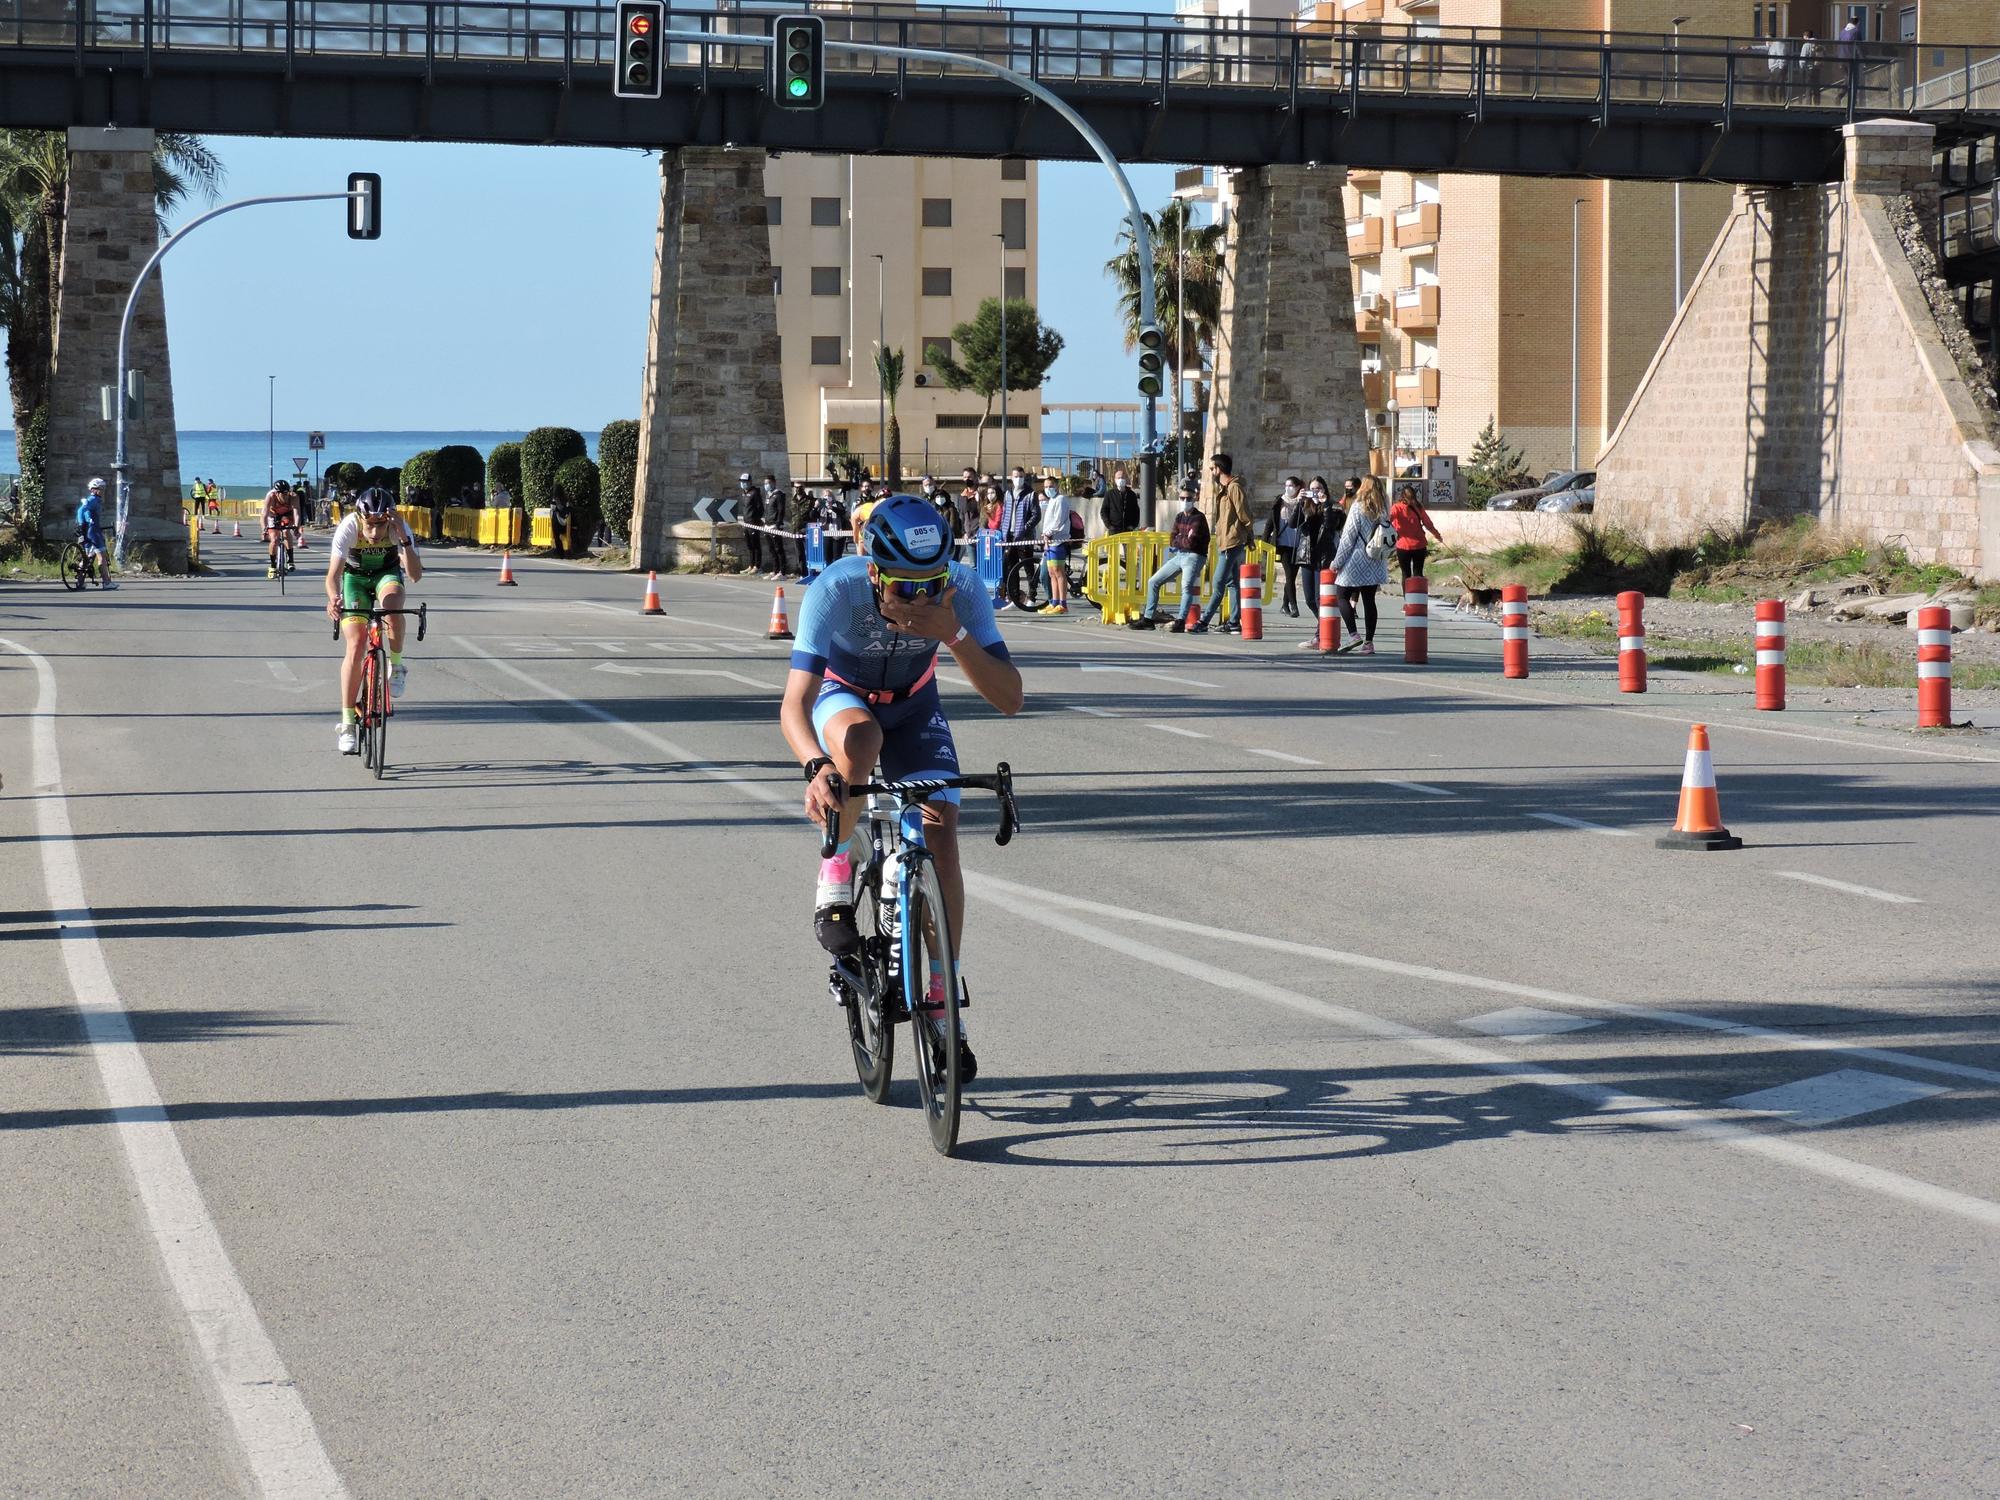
x=1187 y=547
x=1120 y=508
x=1020 y=522
x=1055 y=535
x=1286 y=529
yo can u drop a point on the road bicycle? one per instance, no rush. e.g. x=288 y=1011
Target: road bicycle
x=288 y=538
x=77 y=565
x=901 y=929
x=375 y=705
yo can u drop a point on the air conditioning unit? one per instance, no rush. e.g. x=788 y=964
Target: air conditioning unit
x=922 y=378
x=1379 y=420
x=1368 y=302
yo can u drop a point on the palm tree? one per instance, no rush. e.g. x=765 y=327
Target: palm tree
x=889 y=370
x=1187 y=282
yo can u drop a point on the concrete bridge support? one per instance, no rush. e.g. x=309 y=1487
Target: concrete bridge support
x=109 y=229
x=1819 y=367
x=714 y=401
x=1286 y=394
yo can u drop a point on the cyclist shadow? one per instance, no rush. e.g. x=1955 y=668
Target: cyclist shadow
x=1245 y=1118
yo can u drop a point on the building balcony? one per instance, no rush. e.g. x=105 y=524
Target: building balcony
x=1417 y=306
x=1358 y=175
x=1416 y=225
x=1371 y=389
x=1368 y=310
x=1418 y=387
x=1364 y=235
x=1313 y=15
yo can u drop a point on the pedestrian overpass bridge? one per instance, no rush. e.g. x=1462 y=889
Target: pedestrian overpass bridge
x=1213 y=92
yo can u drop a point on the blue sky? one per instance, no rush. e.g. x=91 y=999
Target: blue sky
x=508 y=289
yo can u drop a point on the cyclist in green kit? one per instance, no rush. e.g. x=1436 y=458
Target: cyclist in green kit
x=373 y=553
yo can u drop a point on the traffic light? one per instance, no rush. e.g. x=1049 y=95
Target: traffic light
x=364 y=205
x=798 y=62
x=1152 y=367
x=640 y=23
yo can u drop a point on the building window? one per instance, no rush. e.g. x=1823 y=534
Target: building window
x=836 y=437
x=943 y=347
x=826 y=212
x=774 y=211
x=1014 y=283
x=826 y=281
x=777 y=281
x=951 y=421
x=937 y=213
x=826 y=349
x=1014 y=223
x=937 y=281
x=1014 y=169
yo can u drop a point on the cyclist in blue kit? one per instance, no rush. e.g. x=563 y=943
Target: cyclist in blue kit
x=863 y=692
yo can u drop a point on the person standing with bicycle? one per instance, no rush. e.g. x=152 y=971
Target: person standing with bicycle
x=90 y=533
x=373 y=553
x=863 y=691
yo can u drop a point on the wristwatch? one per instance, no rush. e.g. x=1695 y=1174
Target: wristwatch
x=817 y=764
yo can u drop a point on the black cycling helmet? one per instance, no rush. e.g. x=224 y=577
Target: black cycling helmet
x=905 y=535
x=374 y=501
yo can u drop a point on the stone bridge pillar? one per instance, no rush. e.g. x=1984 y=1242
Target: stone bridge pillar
x=109 y=229
x=1286 y=395
x=714 y=400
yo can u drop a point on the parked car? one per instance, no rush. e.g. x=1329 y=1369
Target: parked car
x=1579 y=497
x=1555 y=483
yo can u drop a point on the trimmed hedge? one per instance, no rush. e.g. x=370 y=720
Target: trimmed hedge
x=543 y=451
x=377 y=477
x=618 y=473
x=503 y=467
x=418 y=469
x=578 y=483
x=455 y=469
x=346 y=476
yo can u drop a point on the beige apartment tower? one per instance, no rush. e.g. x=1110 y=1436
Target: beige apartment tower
x=900 y=249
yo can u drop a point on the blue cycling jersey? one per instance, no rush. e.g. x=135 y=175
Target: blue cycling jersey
x=843 y=634
x=86 y=515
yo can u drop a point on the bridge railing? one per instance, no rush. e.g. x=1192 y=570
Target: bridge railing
x=1072 y=48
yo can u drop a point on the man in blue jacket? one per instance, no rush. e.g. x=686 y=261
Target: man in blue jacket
x=1020 y=521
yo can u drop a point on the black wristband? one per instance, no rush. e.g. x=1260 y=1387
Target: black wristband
x=817 y=764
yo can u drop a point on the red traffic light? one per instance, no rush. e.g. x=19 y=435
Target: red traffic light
x=640 y=24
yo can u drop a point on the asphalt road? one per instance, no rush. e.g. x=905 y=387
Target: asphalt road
x=1367 y=1107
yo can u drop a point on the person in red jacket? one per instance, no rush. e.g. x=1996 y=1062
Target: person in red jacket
x=1411 y=521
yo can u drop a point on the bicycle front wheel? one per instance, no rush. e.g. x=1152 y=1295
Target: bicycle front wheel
x=72 y=567
x=378 y=690
x=871 y=1026
x=926 y=935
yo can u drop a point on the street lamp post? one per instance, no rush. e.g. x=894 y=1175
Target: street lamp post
x=881 y=421
x=1002 y=238
x=1679 y=21
x=1575 y=323
x=271 y=438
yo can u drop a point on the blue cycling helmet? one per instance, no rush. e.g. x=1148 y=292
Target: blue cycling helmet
x=374 y=502
x=905 y=535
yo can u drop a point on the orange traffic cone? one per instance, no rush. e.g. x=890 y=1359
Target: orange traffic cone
x=507 y=571
x=781 y=623
x=1699 y=825
x=237 y=529
x=652 y=604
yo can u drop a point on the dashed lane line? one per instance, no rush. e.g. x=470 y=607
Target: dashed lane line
x=280 y=1445
x=1564 y=821
x=1423 y=787
x=1095 y=713
x=1191 y=734
x=1296 y=760
x=1853 y=890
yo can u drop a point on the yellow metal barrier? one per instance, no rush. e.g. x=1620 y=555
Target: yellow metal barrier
x=194 y=542
x=544 y=533
x=1117 y=568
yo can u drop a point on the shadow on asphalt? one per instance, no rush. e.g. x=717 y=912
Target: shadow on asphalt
x=204 y=921
x=55 y=1030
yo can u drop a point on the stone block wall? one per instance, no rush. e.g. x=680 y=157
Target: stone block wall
x=1808 y=375
x=1286 y=393
x=109 y=230
x=714 y=401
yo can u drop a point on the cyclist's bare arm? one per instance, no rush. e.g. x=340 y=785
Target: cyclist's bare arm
x=413 y=564
x=994 y=679
x=334 y=568
x=795 y=720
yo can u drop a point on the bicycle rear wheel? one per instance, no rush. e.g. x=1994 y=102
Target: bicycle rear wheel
x=72 y=567
x=926 y=934
x=378 y=687
x=871 y=1026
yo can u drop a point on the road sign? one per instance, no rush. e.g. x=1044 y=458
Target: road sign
x=316 y=441
x=715 y=511
x=299 y=464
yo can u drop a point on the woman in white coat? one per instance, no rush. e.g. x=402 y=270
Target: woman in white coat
x=1354 y=571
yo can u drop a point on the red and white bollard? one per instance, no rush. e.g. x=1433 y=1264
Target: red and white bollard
x=1514 y=630
x=1631 y=642
x=1771 y=653
x=1251 y=600
x=1329 y=614
x=1416 y=621
x=1933 y=667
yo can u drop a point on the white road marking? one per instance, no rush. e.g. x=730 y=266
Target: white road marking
x=1523 y=1022
x=1095 y=713
x=1556 y=999
x=1032 y=904
x=633 y=669
x=281 y=1447
x=1625 y=1109
x=1093 y=666
x=1192 y=734
x=1852 y=890
x=1297 y=760
x=1568 y=822
x=287 y=678
x=685 y=620
x=1418 y=786
x=1834 y=1096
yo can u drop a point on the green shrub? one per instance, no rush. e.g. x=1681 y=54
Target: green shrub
x=348 y=477
x=33 y=454
x=456 y=468
x=543 y=451
x=380 y=478
x=418 y=469
x=1514 y=554
x=577 y=482
x=503 y=467
x=618 y=473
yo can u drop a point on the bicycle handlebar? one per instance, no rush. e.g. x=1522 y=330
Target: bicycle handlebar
x=1000 y=783
x=381 y=614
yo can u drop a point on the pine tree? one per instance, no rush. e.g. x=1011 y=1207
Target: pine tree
x=1494 y=465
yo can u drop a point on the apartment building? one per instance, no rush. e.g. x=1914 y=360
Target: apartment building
x=868 y=250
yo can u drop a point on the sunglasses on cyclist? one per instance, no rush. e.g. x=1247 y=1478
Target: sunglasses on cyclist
x=913 y=590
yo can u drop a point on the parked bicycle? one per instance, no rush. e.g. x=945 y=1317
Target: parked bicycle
x=902 y=926
x=375 y=706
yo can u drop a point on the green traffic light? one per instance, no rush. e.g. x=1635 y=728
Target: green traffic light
x=798 y=88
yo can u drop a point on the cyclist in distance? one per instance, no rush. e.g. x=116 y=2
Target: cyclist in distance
x=373 y=552
x=863 y=691
x=281 y=526
x=90 y=533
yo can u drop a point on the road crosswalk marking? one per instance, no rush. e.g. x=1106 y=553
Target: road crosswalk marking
x=1527 y=1022
x=1835 y=1096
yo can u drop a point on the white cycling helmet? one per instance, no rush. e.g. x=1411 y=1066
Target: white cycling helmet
x=97 y=484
